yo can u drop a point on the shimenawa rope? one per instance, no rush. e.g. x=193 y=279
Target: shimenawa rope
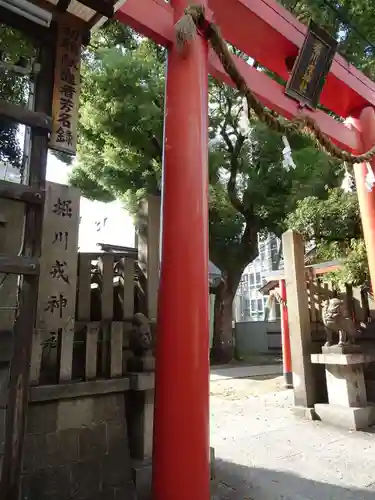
x=194 y=20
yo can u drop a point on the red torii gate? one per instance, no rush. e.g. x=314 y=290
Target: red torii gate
x=270 y=34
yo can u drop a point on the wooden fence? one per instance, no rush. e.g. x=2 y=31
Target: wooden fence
x=105 y=287
x=356 y=301
x=107 y=296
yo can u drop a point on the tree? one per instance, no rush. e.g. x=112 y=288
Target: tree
x=14 y=89
x=334 y=225
x=120 y=153
x=352 y=22
x=121 y=125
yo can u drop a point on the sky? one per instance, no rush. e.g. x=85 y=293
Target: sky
x=100 y=222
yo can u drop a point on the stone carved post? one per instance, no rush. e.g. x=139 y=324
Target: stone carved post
x=58 y=282
x=299 y=319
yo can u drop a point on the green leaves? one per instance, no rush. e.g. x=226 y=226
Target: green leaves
x=14 y=89
x=120 y=129
x=335 y=226
x=120 y=153
x=120 y=147
x=336 y=218
x=352 y=22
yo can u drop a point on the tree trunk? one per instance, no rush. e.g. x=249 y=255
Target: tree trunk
x=223 y=336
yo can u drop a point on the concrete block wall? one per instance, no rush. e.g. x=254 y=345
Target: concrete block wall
x=78 y=449
x=257 y=337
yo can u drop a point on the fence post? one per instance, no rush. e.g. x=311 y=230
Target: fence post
x=299 y=319
x=149 y=250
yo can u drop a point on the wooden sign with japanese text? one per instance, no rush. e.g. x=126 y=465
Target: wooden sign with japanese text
x=311 y=67
x=66 y=85
x=58 y=277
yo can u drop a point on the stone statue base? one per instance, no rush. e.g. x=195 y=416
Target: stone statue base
x=352 y=418
x=141 y=364
x=341 y=349
x=347 y=399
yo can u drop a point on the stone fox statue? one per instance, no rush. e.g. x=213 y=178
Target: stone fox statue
x=336 y=320
x=140 y=337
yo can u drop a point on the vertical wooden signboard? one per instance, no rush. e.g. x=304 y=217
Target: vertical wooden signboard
x=58 y=278
x=66 y=85
x=312 y=66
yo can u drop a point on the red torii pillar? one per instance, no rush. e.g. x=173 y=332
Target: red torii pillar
x=366 y=127
x=285 y=338
x=181 y=419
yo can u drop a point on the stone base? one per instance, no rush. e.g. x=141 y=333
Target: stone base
x=142 y=476
x=303 y=412
x=349 y=418
x=344 y=349
x=288 y=380
x=212 y=463
x=77 y=448
x=141 y=364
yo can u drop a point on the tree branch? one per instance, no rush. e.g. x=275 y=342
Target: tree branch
x=156 y=143
x=234 y=152
x=249 y=242
x=234 y=164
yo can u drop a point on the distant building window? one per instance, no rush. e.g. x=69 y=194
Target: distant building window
x=244 y=284
x=278 y=310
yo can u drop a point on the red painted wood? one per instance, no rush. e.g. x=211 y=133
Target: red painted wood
x=181 y=418
x=151 y=18
x=159 y=25
x=366 y=128
x=287 y=355
x=265 y=31
x=269 y=33
x=270 y=93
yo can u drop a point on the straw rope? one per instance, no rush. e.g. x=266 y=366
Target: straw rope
x=193 y=22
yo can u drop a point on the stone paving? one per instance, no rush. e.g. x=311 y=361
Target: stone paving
x=264 y=452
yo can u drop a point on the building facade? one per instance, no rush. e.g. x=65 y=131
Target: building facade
x=249 y=303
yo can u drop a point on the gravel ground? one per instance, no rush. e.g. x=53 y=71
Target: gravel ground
x=263 y=452
x=244 y=388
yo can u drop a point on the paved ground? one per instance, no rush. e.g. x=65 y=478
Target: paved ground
x=263 y=452
x=245 y=371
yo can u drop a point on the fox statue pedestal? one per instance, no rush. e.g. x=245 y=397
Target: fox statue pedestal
x=347 y=400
